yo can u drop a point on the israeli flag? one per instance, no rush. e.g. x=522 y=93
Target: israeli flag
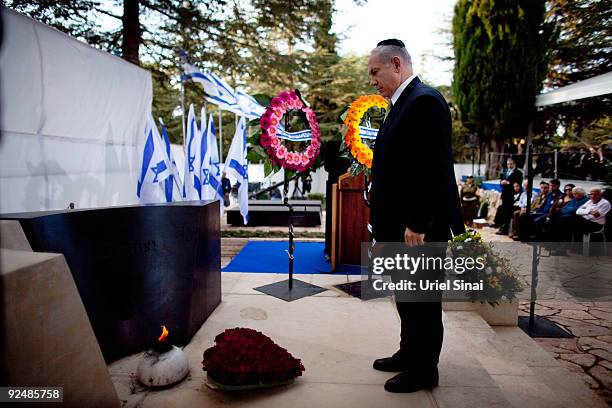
x=368 y=132
x=211 y=186
x=192 y=186
x=220 y=93
x=155 y=167
x=236 y=164
x=249 y=106
x=192 y=73
x=217 y=91
x=226 y=95
x=173 y=182
x=301 y=136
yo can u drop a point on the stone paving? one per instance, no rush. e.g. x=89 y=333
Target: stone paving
x=589 y=353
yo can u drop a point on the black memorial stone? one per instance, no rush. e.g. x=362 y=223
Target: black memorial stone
x=137 y=268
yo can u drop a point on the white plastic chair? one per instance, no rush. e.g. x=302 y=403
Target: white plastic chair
x=586 y=239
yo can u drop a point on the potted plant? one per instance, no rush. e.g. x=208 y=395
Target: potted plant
x=496 y=301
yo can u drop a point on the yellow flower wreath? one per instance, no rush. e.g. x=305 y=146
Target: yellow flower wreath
x=359 y=150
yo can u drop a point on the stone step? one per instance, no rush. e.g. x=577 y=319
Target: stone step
x=526 y=374
x=464 y=380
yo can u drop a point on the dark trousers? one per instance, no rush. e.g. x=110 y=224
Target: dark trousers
x=582 y=226
x=507 y=208
x=516 y=224
x=560 y=229
x=421 y=333
x=531 y=226
x=422 y=330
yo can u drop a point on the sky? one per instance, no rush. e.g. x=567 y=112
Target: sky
x=417 y=23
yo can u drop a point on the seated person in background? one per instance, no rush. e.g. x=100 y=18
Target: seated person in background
x=520 y=209
x=526 y=222
x=469 y=200
x=562 y=221
x=568 y=195
x=542 y=213
x=517 y=195
x=540 y=198
x=569 y=209
x=561 y=201
x=591 y=216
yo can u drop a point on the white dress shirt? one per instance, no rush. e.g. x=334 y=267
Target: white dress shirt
x=401 y=88
x=523 y=200
x=602 y=207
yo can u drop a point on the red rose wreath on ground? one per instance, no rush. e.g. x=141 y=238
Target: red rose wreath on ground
x=244 y=356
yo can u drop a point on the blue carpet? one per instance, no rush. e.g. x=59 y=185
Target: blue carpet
x=271 y=257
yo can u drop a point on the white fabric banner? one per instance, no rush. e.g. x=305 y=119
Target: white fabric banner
x=72 y=121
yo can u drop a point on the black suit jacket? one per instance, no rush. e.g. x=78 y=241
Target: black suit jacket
x=413 y=179
x=508 y=189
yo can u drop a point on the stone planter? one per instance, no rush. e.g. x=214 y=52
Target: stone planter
x=503 y=314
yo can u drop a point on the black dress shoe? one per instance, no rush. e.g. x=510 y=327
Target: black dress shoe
x=391 y=364
x=411 y=381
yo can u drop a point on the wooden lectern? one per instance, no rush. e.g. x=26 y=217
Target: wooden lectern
x=350 y=218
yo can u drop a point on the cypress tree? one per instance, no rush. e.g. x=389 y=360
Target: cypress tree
x=501 y=59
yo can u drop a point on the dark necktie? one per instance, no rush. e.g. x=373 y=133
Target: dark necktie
x=388 y=111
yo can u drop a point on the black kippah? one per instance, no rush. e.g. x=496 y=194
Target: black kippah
x=392 y=41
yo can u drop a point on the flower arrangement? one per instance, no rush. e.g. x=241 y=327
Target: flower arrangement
x=361 y=152
x=269 y=140
x=243 y=357
x=501 y=283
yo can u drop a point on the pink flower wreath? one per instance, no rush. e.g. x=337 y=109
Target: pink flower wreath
x=278 y=153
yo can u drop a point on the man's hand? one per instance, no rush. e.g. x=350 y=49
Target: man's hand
x=412 y=238
x=505 y=182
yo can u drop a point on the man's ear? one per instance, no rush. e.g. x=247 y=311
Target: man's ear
x=397 y=63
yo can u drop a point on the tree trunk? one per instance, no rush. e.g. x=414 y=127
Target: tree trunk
x=131 y=31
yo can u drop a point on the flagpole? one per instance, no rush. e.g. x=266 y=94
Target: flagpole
x=174 y=173
x=183 y=115
x=220 y=137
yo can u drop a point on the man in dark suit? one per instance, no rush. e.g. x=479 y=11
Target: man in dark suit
x=414 y=199
x=508 y=177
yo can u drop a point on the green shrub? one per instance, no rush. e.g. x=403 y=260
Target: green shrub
x=317 y=196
